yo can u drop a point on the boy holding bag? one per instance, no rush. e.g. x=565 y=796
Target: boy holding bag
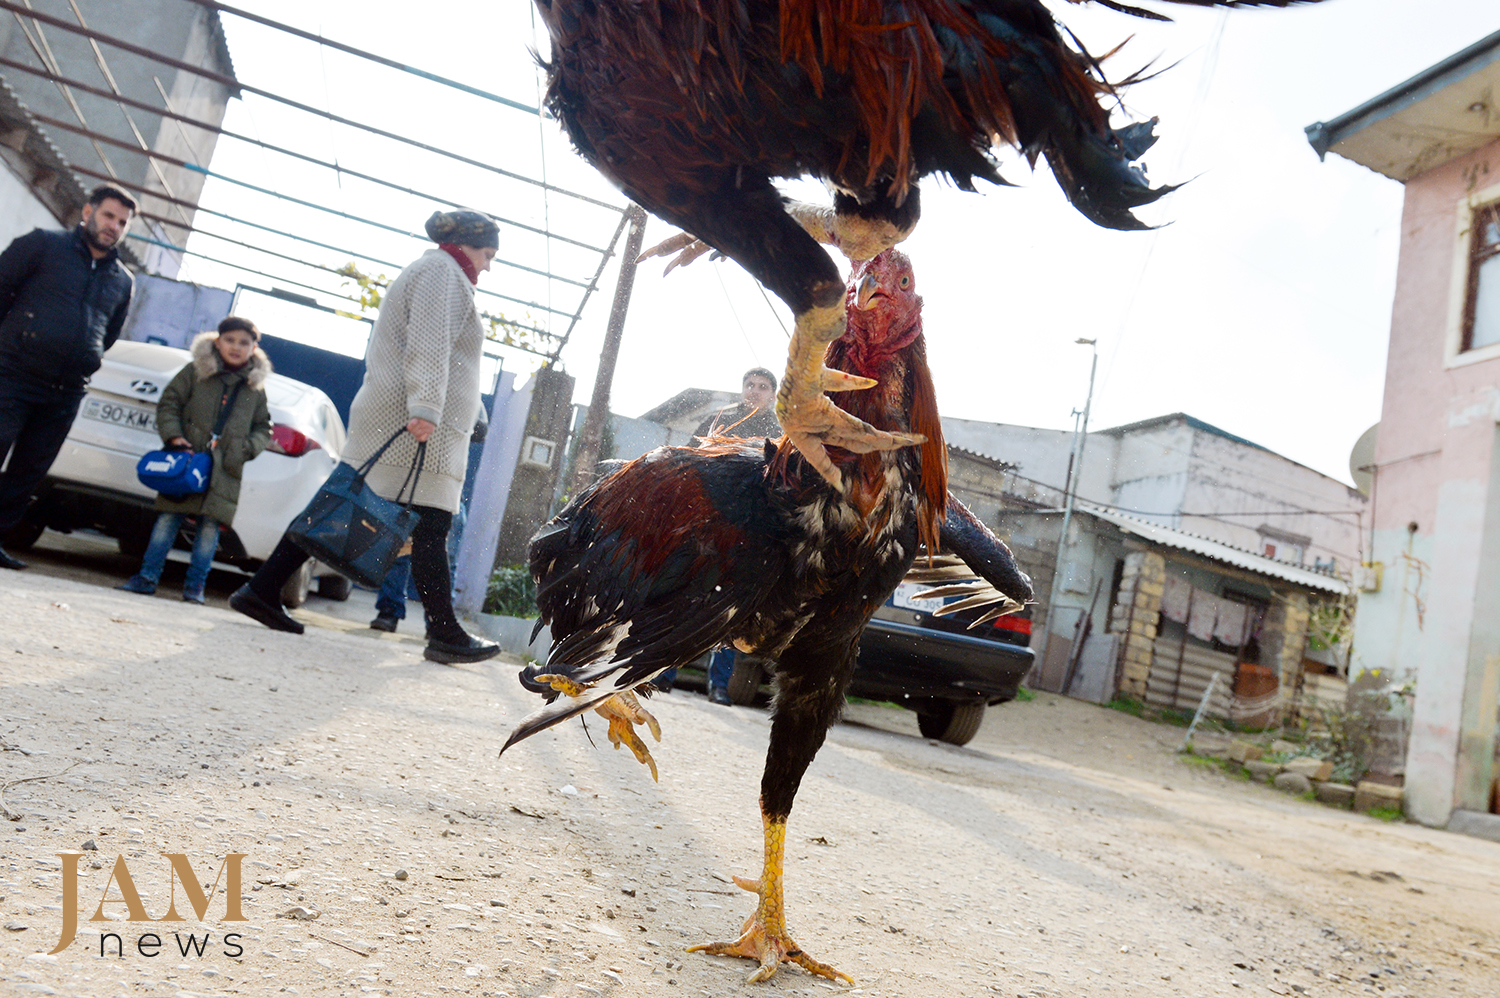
x=226 y=378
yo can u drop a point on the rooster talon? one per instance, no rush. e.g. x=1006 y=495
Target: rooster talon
x=687 y=246
x=623 y=712
x=843 y=381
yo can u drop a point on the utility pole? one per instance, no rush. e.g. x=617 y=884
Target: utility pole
x=591 y=434
x=1070 y=493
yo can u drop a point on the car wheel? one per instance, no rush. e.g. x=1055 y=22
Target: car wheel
x=334 y=587
x=744 y=682
x=23 y=535
x=294 y=593
x=954 y=723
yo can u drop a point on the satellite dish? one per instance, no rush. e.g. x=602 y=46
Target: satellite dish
x=1362 y=461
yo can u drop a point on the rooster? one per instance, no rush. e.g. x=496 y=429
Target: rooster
x=687 y=549
x=693 y=107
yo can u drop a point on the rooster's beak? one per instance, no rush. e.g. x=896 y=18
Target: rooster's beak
x=867 y=289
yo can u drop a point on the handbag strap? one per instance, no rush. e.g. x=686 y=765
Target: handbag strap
x=413 y=475
x=365 y=468
x=226 y=406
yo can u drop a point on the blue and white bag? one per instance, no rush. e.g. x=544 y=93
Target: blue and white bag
x=178 y=473
x=175 y=472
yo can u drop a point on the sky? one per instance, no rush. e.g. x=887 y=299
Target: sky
x=1261 y=304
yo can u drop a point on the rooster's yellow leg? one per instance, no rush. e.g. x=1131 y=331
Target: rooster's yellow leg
x=764 y=937
x=623 y=712
x=808 y=417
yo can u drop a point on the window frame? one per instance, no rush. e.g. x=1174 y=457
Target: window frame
x=1464 y=281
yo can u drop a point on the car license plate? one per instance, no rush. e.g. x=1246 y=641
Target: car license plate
x=119 y=414
x=903 y=597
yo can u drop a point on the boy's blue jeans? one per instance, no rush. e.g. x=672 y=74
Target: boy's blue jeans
x=164 y=535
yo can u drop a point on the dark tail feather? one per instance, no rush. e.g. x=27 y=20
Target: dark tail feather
x=985 y=553
x=557 y=711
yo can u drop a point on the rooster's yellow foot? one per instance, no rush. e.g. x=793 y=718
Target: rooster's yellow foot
x=771 y=946
x=624 y=712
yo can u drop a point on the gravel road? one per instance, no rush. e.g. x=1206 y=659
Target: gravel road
x=1066 y=851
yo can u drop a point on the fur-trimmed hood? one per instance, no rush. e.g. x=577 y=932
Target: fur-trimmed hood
x=207 y=362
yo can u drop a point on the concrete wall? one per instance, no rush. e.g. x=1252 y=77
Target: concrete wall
x=20 y=209
x=1038 y=454
x=173 y=312
x=1437 y=503
x=1150 y=473
x=631 y=437
x=1227 y=477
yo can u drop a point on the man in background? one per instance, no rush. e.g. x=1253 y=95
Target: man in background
x=753 y=416
x=63 y=299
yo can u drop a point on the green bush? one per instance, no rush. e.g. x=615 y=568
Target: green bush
x=511 y=593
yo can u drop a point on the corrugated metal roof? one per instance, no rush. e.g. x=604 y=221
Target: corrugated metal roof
x=1219 y=551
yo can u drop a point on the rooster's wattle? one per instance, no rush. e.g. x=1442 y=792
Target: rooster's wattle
x=687 y=549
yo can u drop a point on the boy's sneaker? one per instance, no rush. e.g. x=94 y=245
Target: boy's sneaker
x=138 y=584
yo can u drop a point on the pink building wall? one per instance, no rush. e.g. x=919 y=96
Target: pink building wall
x=1436 y=618
x=1418 y=388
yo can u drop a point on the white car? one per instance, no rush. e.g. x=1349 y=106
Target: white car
x=92 y=484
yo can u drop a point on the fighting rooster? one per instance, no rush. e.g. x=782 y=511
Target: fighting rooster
x=683 y=550
x=693 y=107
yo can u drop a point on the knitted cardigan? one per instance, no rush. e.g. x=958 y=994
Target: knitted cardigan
x=423 y=362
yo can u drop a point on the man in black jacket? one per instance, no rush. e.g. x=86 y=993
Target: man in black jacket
x=63 y=298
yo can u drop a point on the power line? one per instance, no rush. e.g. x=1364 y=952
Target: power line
x=312 y=287
x=356 y=254
x=56 y=123
x=382 y=60
x=335 y=167
x=235 y=85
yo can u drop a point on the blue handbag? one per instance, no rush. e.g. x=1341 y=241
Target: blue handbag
x=351 y=529
x=177 y=474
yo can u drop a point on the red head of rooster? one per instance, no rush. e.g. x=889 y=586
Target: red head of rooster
x=884 y=341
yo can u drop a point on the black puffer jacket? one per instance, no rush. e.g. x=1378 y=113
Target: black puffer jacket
x=60 y=309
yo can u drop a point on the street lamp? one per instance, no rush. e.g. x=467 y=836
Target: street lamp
x=1075 y=472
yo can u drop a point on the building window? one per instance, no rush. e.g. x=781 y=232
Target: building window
x=1482 y=297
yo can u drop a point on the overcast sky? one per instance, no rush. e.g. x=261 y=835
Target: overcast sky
x=1262 y=305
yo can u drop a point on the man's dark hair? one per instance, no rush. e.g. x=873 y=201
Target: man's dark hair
x=108 y=192
x=235 y=322
x=760 y=371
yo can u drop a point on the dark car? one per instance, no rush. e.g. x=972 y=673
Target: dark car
x=934 y=666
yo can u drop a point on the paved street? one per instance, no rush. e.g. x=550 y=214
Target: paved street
x=1066 y=851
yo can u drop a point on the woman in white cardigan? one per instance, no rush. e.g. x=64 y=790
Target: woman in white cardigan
x=421 y=373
